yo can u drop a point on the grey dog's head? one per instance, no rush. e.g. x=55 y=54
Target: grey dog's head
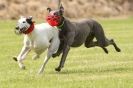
x=55 y=17
x=23 y=24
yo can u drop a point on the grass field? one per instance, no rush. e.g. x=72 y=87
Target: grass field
x=84 y=68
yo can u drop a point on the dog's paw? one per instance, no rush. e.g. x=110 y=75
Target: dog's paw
x=22 y=67
x=55 y=55
x=58 y=69
x=15 y=58
x=40 y=71
x=118 y=49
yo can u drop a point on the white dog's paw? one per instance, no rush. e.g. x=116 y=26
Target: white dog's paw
x=22 y=67
x=15 y=58
x=35 y=57
x=40 y=72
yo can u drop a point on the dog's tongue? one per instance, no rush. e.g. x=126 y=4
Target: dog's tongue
x=52 y=20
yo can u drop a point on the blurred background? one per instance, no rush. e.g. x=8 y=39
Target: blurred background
x=84 y=68
x=12 y=9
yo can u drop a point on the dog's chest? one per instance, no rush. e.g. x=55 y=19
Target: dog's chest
x=40 y=41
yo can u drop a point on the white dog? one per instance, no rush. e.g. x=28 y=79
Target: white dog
x=37 y=37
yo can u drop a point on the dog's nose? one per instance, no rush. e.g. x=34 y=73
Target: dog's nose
x=16 y=27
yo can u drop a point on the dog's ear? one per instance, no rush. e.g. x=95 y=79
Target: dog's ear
x=61 y=9
x=49 y=9
x=29 y=19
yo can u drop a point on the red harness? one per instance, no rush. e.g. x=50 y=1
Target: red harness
x=53 y=20
x=30 y=29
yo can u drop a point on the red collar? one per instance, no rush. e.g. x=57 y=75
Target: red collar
x=30 y=29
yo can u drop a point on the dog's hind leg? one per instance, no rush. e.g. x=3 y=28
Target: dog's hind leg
x=49 y=54
x=51 y=50
x=103 y=44
x=100 y=37
x=105 y=49
x=109 y=42
x=59 y=51
x=89 y=41
x=115 y=46
x=102 y=40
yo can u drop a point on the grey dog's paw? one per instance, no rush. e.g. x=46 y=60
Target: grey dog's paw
x=15 y=58
x=58 y=69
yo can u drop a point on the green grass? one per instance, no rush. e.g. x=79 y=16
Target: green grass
x=84 y=68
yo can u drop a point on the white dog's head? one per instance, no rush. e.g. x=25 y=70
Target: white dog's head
x=23 y=24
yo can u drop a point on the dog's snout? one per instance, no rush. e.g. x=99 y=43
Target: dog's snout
x=16 y=27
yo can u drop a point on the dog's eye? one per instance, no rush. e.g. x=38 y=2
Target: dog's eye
x=24 y=22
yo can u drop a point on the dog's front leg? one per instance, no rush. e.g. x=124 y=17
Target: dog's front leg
x=22 y=56
x=63 y=58
x=68 y=41
x=24 y=51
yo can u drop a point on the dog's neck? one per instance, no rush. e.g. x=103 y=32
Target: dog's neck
x=30 y=29
x=60 y=26
x=64 y=24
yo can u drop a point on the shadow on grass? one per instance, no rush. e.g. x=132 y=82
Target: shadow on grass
x=93 y=71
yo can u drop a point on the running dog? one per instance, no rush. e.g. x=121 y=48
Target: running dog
x=74 y=34
x=38 y=37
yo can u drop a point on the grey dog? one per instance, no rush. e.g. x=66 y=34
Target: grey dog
x=74 y=34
